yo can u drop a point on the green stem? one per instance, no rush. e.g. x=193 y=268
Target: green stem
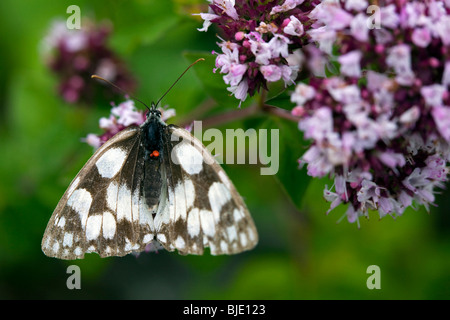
x=262 y=99
x=279 y=112
x=258 y=108
x=230 y=116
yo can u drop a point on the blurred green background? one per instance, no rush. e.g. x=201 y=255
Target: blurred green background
x=302 y=254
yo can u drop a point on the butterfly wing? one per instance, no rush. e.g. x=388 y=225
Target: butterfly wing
x=102 y=210
x=201 y=207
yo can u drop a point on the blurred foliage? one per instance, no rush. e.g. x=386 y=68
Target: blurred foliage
x=302 y=254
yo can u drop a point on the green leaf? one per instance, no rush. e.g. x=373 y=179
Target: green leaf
x=286 y=151
x=281 y=100
x=275 y=89
x=291 y=147
x=145 y=23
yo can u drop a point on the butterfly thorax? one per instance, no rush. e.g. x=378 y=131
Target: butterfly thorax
x=152 y=130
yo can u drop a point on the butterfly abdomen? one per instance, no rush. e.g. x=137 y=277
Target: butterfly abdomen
x=152 y=182
x=153 y=146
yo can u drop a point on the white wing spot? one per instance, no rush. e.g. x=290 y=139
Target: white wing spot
x=61 y=222
x=237 y=214
x=243 y=238
x=145 y=214
x=190 y=193
x=55 y=247
x=110 y=163
x=135 y=206
x=179 y=243
x=232 y=234
x=251 y=234
x=124 y=204
x=207 y=222
x=47 y=243
x=68 y=239
x=111 y=195
x=218 y=195
x=147 y=238
x=80 y=201
x=128 y=246
x=78 y=251
x=193 y=222
x=109 y=225
x=223 y=246
x=180 y=202
x=165 y=209
x=186 y=136
x=186 y=155
x=212 y=248
x=161 y=238
x=93 y=227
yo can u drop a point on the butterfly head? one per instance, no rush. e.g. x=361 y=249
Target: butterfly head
x=153 y=111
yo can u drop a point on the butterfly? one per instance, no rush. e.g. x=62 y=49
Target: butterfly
x=150 y=187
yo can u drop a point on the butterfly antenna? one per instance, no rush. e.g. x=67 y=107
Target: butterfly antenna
x=201 y=59
x=94 y=76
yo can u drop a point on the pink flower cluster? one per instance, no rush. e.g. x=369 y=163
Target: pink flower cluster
x=380 y=127
x=75 y=55
x=122 y=116
x=260 y=38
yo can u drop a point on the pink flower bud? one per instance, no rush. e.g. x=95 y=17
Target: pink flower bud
x=239 y=35
x=298 y=111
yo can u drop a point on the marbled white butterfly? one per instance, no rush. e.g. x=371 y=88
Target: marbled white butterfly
x=147 y=188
